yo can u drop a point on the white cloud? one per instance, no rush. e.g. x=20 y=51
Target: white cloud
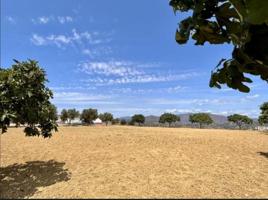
x=64 y=19
x=76 y=98
x=119 y=68
x=255 y=96
x=175 y=89
x=180 y=111
x=199 y=102
x=87 y=52
x=11 y=20
x=75 y=38
x=99 y=51
x=43 y=20
x=140 y=78
x=51 y=18
x=38 y=40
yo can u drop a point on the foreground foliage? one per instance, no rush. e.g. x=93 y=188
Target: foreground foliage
x=24 y=99
x=244 y=23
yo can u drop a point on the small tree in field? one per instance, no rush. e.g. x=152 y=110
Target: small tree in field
x=25 y=99
x=140 y=119
x=64 y=115
x=72 y=114
x=123 y=122
x=106 y=117
x=88 y=115
x=263 y=118
x=169 y=118
x=200 y=118
x=239 y=120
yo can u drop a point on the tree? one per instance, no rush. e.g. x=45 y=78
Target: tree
x=239 y=120
x=72 y=114
x=88 y=115
x=115 y=121
x=123 y=122
x=263 y=118
x=200 y=118
x=169 y=118
x=106 y=117
x=244 y=23
x=140 y=119
x=64 y=115
x=25 y=99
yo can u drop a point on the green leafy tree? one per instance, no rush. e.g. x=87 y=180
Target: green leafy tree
x=140 y=119
x=244 y=23
x=169 y=118
x=239 y=120
x=106 y=117
x=25 y=99
x=123 y=122
x=72 y=114
x=263 y=118
x=64 y=115
x=200 y=118
x=88 y=115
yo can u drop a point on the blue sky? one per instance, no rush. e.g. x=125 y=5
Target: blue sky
x=119 y=56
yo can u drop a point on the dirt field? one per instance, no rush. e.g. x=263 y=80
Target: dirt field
x=119 y=161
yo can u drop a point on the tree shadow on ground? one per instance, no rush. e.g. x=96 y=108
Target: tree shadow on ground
x=265 y=154
x=23 y=180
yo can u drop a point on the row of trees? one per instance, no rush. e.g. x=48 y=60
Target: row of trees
x=87 y=116
x=204 y=118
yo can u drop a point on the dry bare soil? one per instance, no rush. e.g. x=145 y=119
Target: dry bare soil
x=131 y=162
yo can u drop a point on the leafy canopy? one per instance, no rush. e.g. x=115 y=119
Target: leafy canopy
x=73 y=113
x=169 y=118
x=200 y=118
x=106 y=117
x=244 y=23
x=123 y=122
x=139 y=118
x=24 y=99
x=239 y=120
x=64 y=115
x=263 y=118
x=88 y=115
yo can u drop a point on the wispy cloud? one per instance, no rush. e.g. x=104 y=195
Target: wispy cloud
x=140 y=78
x=255 y=96
x=51 y=18
x=64 y=19
x=98 y=51
x=11 y=20
x=119 y=68
x=75 y=98
x=62 y=40
x=127 y=72
x=180 y=111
